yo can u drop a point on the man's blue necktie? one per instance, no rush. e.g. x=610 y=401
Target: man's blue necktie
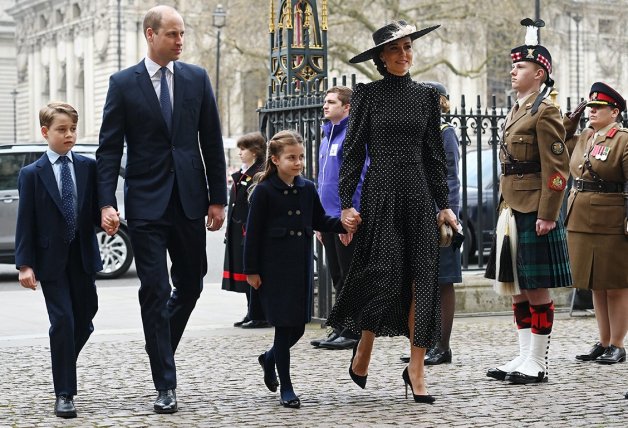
x=67 y=199
x=164 y=99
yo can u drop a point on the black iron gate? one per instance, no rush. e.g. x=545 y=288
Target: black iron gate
x=479 y=130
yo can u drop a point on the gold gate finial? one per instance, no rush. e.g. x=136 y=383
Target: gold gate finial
x=271 y=16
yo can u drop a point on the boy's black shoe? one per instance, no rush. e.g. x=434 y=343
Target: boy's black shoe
x=64 y=407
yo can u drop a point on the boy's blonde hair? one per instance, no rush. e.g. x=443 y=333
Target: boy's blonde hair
x=47 y=114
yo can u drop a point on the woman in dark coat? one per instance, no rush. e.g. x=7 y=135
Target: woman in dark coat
x=252 y=148
x=285 y=211
x=449 y=270
x=392 y=286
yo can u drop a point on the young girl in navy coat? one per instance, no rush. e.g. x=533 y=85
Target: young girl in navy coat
x=285 y=210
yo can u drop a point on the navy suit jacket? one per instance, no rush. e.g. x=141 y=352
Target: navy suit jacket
x=40 y=224
x=193 y=152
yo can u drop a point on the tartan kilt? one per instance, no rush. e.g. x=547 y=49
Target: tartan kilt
x=542 y=261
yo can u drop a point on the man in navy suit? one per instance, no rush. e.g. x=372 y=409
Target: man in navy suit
x=55 y=243
x=175 y=176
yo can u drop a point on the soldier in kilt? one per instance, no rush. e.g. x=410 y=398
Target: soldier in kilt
x=535 y=166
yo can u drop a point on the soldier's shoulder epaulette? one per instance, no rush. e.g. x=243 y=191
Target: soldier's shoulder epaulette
x=548 y=102
x=613 y=131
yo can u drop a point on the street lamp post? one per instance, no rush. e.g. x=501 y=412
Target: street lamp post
x=219 y=19
x=577 y=18
x=14 y=95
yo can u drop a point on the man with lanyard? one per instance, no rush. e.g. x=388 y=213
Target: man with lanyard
x=338 y=248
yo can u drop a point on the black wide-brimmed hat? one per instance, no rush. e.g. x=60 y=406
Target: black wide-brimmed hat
x=394 y=31
x=603 y=95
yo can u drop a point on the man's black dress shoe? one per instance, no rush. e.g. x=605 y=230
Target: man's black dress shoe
x=243 y=321
x=64 y=407
x=331 y=336
x=256 y=324
x=435 y=356
x=166 y=402
x=340 y=342
x=626 y=396
x=596 y=351
x=404 y=359
x=612 y=355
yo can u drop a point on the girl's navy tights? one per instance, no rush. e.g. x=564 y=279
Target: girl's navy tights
x=285 y=338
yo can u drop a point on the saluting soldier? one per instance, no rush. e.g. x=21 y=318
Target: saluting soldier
x=534 y=164
x=596 y=218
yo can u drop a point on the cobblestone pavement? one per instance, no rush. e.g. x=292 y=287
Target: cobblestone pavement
x=220 y=382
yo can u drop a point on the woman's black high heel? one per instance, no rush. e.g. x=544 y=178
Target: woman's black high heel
x=428 y=399
x=359 y=380
x=270 y=379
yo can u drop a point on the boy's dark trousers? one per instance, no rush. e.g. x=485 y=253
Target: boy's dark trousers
x=72 y=303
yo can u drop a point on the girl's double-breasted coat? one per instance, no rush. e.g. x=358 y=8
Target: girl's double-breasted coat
x=278 y=246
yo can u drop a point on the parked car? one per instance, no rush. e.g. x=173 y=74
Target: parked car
x=116 y=251
x=479 y=219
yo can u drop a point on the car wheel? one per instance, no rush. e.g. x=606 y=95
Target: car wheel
x=116 y=253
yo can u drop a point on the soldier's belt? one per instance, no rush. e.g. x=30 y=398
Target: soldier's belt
x=597 y=186
x=520 y=168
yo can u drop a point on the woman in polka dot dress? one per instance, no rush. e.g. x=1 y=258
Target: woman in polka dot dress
x=392 y=285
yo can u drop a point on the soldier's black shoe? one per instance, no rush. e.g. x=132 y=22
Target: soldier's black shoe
x=496 y=373
x=596 y=351
x=64 y=407
x=166 y=402
x=524 y=379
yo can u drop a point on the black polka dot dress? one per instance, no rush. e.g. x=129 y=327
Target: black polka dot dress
x=397 y=122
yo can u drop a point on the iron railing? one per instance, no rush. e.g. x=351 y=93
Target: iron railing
x=479 y=129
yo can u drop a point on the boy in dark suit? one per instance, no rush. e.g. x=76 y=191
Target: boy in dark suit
x=55 y=243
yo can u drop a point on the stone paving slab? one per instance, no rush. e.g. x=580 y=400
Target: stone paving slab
x=220 y=383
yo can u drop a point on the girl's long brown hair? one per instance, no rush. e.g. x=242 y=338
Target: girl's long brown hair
x=275 y=147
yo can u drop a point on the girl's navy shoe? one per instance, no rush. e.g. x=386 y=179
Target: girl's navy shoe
x=270 y=377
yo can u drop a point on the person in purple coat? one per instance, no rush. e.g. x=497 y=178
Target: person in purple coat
x=338 y=253
x=278 y=257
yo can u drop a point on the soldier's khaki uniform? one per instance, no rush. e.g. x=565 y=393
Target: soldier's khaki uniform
x=595 y=220
x=537 y=138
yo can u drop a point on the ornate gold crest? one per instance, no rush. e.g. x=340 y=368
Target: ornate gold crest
x=557 y=182
x=558 y=148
